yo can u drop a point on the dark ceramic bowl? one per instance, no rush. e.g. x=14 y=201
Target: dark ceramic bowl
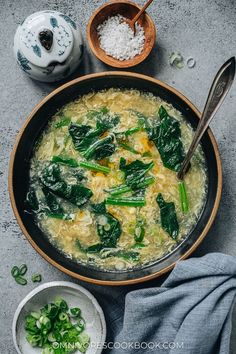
x=19 y=176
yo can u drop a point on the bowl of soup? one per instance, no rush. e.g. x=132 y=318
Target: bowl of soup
x=93 y=178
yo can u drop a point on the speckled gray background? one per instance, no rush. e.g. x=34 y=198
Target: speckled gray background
x=204 y=29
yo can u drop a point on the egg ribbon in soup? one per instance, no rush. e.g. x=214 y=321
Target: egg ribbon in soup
x=103 y=182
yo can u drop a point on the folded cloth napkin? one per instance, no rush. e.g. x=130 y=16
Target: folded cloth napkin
x=189 y=314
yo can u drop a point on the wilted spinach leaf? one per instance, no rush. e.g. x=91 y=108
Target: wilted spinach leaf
x=106 y=120
x=166 y=135
x=100 y=149
x=52 y=203
x=169 y=220
x=76 y=194
x=135 y=171
x=87 y=139
x=99 y=208
x=108 y=229
x=132 y=256
x=64 y=160
x=90 y=249
x=82 y=136
x=32 y=202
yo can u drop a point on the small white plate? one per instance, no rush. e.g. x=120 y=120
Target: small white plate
x=75 y=296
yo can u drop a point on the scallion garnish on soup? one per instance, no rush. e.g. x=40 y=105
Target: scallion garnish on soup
x=103 y=183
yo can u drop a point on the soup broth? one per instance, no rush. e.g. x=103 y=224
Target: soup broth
x=103 y=179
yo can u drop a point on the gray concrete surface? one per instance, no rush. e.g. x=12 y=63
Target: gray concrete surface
x=204 y=29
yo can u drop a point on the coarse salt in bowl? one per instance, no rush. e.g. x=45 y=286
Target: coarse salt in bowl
x=111 y=39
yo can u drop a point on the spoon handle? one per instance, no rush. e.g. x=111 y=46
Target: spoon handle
x=218 y=91
x=141 y=11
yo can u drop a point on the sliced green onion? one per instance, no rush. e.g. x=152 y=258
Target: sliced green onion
x=23 y=269
x=183 y=197
x=94 y=167
x=63 y=316
x=55 y=322
x=59 y=302
x=36 y=278
x=131 y=202
x=35 y=315
x=75 y=311
x=128 y=148
x=51 y=337
x=81 y=324
x=34 y=339
x=15 y=271
x=139 y=231
x=20 y=280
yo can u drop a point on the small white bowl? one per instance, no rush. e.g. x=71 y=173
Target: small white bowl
x=75 y=296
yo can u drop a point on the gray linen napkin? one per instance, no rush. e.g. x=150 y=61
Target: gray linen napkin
x=190 y=313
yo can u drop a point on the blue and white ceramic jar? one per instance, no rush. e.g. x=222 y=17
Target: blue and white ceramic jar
x=48 y=46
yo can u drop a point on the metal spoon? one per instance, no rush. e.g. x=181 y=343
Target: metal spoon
x=132 y=22
x=218 y=91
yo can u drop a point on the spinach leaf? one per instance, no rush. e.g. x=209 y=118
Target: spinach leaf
x=52 y=202
x=87 y=139
x=100 y=149
x=82 y=136
x=105 y=120
x=135 y=171
x=65 y=160
x=166 y=135
x=32 y=202
x=96 y=248
x=76 y=194
x=132 y=256
x=99 y=208
x=108 y=229
x=49 y=206
x=168 y=215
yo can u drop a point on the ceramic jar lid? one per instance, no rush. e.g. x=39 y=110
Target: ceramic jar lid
x=48 y=46
x=45 y=38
